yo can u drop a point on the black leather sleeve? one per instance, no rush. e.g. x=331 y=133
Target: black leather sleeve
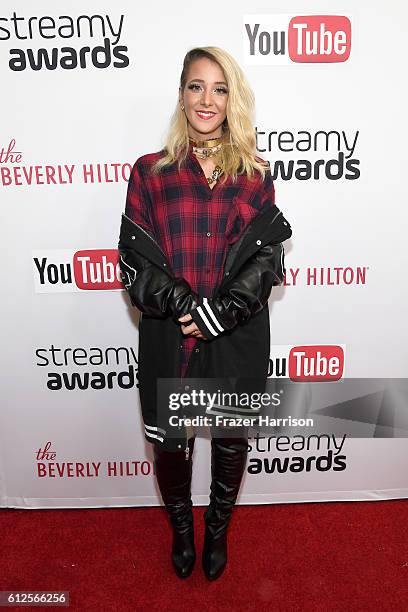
x=246 y=294
x=153 y=290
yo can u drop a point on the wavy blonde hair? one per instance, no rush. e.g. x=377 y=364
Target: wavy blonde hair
x=238 y=153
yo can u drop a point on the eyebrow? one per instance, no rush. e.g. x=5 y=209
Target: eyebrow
x=215 y=82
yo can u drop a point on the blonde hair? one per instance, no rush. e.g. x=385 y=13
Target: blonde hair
x=238 y=153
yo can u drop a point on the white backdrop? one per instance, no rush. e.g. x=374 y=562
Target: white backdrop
x=335 y=134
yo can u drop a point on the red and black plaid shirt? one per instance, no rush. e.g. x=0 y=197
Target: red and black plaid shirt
x=192 y=223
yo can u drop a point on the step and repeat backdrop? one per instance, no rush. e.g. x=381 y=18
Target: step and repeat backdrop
x=89 y=87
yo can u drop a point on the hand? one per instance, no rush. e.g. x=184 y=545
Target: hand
x=191 y=329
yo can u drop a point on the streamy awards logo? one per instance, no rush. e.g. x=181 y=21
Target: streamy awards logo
x=67 y=42
x=86 y=368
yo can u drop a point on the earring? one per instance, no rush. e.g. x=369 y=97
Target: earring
x=182 y=107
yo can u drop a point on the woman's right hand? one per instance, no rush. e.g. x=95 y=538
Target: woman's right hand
x=190 y=330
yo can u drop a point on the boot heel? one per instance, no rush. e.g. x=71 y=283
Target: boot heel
x=215 y=555
x=183 y=554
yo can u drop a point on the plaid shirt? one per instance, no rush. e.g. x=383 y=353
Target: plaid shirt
x=192 y=223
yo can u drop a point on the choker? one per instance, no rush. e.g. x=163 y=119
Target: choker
x=205 y=144
x=206 y=148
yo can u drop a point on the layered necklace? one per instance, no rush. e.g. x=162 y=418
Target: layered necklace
x=208 y=148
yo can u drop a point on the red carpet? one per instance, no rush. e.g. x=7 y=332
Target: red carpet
x=287 y=557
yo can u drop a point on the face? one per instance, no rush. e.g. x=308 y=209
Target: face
x=205 y=90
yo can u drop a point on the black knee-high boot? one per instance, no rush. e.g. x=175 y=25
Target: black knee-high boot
x=228 y=460
x=173 y=473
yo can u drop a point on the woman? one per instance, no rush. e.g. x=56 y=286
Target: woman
x=200 y=249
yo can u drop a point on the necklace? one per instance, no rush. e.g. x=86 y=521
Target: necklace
x=203 y=149
x=215 y=174
x=206 y=148
x=212 y=142
x=205 y=153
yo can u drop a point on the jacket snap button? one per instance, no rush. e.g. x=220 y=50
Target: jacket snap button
x=164 y=264
x=133 y=237
x=227 y=274
x=197 y=350
x=258 y=242
x=208 y=233
x=179 y=446
x=186 y=387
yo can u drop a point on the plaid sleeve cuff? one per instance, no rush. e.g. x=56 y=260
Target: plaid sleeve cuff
x=207 y=319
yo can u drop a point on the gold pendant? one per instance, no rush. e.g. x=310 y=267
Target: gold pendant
x=215 y=174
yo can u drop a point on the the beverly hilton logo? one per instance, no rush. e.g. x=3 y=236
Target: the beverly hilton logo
x=48 y=466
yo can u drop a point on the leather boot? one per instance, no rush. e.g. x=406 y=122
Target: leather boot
x=228 y=461
x=173 y=473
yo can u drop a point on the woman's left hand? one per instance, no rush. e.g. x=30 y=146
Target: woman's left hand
x=190 y=329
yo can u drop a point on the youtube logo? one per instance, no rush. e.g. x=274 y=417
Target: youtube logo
x=316 y=363
x=308 y=362
x=76 y=270
x=277 y=39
